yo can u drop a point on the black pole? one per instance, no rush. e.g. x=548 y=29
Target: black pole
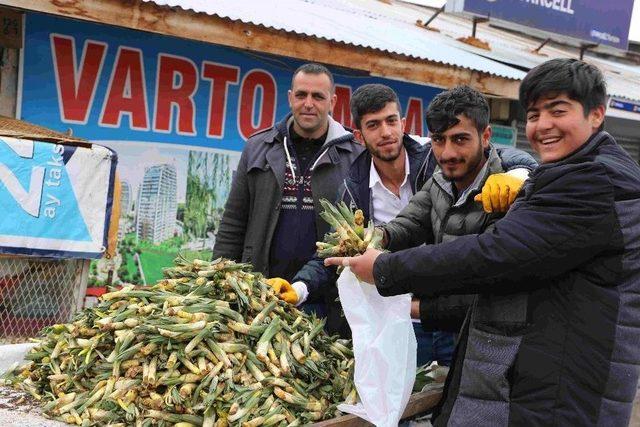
x=434 y=16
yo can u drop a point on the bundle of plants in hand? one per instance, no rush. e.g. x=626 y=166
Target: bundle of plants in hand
x=349 y=236
x=209 y=345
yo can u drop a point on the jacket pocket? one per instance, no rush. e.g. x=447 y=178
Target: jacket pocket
x=484 y=392
x=502 y=315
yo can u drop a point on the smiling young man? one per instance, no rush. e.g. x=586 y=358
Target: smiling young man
x=553 y=337
x=271 y=216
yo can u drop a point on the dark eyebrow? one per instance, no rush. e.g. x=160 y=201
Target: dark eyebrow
x=455 y=135
x=549 y=105
x=459 y=134
x=314 y=93
x=552 y=104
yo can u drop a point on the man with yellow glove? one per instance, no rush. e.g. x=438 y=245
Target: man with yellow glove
x=269 y=218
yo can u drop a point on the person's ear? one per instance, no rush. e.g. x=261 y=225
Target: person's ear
x=596 y=117
x=357 y=134
x=486 y=137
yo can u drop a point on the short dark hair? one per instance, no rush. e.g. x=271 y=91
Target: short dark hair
x=446 y=106
x=371 y=98
x=313 y=68
x=580 y=81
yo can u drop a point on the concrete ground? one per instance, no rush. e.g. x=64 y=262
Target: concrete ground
x=17 y=408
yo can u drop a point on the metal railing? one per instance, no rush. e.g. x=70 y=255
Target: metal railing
x=37 y=292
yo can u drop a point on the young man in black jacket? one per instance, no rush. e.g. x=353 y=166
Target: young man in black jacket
x=553 y=337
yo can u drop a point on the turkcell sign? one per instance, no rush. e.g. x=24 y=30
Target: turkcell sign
x=56 y=199
x=593 y=21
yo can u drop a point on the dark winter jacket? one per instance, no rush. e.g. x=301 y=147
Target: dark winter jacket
x=356 y=193
x=553 y=337
x=251 y=212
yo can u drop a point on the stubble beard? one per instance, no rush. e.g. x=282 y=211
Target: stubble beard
x=471 y=167
x=390 y=157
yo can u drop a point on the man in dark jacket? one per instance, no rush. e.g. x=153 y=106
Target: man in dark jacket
x=271 y=218
x=553 y=336
x=444 y=209
x=381 y=182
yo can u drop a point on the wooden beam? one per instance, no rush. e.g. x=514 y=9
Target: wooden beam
x=145 y=16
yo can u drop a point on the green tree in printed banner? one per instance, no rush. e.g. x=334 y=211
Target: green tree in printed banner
x=198 y=200
x=208 y=181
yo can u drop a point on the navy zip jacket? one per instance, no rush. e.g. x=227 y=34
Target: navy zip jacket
x=553 y=337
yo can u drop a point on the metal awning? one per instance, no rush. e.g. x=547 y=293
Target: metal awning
x=371 y=24
x=515 y=49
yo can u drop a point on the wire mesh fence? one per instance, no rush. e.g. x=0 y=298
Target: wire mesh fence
x=36 y=292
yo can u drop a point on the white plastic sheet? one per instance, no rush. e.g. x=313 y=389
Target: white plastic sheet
x=384 y=345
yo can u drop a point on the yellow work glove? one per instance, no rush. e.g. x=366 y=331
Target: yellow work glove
x=283 y=290
x=499 y=192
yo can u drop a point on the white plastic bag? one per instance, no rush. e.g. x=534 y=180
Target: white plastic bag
x=384 y=345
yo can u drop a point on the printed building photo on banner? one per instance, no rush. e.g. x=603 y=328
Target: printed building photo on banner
x=171 y=202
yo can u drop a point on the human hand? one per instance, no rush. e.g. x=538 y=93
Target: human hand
x=499 y=192
x=361 y=266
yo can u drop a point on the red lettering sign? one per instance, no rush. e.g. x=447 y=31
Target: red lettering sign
x=176 y=83
x=76 y=84
x=342 y=111
x=252 y=81
x=221 y=76
x=126 y=93
x=413 y=124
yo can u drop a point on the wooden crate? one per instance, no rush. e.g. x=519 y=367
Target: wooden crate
x=418 y=403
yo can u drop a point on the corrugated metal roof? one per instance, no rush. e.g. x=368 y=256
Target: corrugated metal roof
x=366 y=23
x=392 y=28
x=623 y=80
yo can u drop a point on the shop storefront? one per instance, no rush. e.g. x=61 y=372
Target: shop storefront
x=177 y=112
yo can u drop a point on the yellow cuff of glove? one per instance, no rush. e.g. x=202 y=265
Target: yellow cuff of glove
x=499 y=192
x=283 y=290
